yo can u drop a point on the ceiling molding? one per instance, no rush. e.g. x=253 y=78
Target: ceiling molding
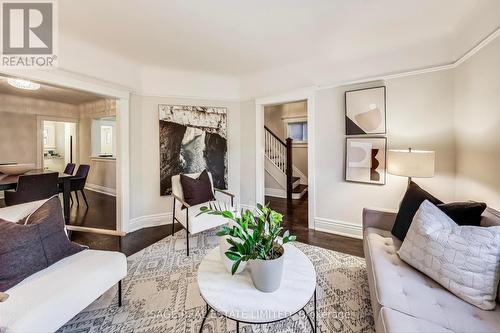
x=205 y=98
x=478 y=47
x=484 y=42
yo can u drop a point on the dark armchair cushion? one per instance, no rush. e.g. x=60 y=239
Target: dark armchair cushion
x=197 y=190
x=33 y=244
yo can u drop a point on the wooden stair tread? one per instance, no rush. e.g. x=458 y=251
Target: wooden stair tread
x=294 y=179
x=299 y=188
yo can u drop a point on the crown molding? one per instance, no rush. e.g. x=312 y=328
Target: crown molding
x=491 y=37
x=451 y=65
x=205 y=98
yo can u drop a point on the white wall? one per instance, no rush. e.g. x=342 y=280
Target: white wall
x=477 y=126
x=145 y=196
x=18 y=125
x=247 y=151
x=419 y=115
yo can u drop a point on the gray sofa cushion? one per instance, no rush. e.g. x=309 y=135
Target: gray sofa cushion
x=400 y=287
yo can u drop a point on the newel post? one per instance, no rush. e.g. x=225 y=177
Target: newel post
x=289 y=169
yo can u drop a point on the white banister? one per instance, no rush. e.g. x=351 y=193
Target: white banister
x=275 y=150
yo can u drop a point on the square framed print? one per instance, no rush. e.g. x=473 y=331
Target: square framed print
x=365 y=111
x=365 y=160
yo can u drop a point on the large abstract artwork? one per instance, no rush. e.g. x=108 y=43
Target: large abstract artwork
x=192 y=139
x=365 y=111
x=365 y=160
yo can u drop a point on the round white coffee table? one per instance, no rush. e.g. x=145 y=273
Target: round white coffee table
x=235 y=296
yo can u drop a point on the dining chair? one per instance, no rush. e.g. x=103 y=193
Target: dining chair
x=70 y=168
x=189 y=216
x=78 y=182
x=32 y=188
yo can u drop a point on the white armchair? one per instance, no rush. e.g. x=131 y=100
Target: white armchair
x=187 y=215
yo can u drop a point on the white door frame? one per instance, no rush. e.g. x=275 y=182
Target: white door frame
x=307 y=94
x=39 y=131
x=62 y=78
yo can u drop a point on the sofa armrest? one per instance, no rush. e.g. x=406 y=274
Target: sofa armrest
x=378 y=218
x=18 y=212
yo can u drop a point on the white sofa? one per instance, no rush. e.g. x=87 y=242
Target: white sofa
x=48 y=299
x=405 y=300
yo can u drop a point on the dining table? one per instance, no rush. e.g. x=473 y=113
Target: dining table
x=9 y=182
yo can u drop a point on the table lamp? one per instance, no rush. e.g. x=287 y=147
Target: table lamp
x=411 y=163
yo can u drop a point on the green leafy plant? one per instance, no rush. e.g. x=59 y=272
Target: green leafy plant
x=258 y=232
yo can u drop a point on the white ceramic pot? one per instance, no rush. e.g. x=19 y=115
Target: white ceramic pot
x=228 y=263
x=267 y=274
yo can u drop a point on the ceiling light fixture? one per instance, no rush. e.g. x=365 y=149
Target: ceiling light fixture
x=23 y=84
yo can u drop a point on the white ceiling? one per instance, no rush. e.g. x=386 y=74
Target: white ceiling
x=241 y=37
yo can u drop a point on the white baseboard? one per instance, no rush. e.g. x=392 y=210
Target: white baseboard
x=339 y=228
x=101 y=189
x=147 y=221
x=274 y=192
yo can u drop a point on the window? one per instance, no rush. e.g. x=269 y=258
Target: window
x=106 y=140
x=298 y=131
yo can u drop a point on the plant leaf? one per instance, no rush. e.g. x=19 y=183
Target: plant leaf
x=233 y=255
x=235 y=266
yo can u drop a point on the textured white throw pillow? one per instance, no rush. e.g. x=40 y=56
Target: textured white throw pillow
x=463 y=259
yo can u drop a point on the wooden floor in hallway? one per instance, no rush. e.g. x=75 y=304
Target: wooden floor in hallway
x=296 y=220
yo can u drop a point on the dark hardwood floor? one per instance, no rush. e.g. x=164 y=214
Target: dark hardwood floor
x=296 y=220
x=102 y=214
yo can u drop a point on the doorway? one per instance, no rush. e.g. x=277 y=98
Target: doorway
x=286 y=160
x=300 y=127
x=59 y=144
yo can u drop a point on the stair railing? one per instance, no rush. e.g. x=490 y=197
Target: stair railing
x=280 y=153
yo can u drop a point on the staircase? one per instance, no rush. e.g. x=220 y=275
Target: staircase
x=279 y=166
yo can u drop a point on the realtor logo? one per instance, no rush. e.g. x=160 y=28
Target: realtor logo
x=28 y=33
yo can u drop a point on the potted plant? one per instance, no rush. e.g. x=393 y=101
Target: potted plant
x=254 y=239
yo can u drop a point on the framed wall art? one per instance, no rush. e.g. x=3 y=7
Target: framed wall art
x=365 y=160
x=365 y=111
x=192 y=139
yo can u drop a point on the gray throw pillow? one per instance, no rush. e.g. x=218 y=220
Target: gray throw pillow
x=34 y=244
x=50 y=220
x=21 y=253
x=463 y=259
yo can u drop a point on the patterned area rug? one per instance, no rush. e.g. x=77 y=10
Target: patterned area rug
x=160 y=294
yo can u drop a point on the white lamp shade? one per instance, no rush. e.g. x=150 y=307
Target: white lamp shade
x=414 y=163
